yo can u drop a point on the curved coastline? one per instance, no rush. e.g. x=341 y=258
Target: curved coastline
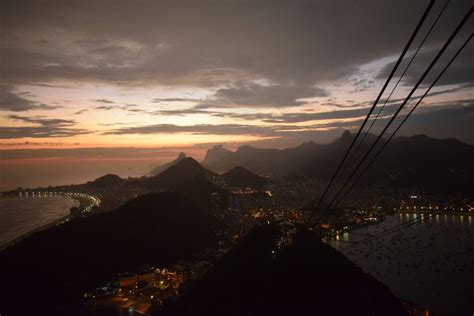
x=58 y=221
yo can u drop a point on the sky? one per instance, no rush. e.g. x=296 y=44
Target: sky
x=189 y=74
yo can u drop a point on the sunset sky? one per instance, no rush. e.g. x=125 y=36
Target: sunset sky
x=184 y=73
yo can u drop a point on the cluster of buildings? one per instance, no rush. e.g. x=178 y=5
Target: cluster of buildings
x=137 y=293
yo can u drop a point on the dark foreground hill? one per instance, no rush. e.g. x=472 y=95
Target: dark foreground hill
x=307 y=278
x=47 y=273
x=263 y=161
x=240 y=177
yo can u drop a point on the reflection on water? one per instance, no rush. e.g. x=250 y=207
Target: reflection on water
x=430 y=263
x=345 y=236
x=22 y=215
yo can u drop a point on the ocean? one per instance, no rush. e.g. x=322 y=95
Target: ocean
x=46 y=172
x=20 y=216
x=430 y=263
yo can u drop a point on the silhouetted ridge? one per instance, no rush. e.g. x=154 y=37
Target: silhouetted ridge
x=346 y=135
x=417 y=162
x=185 y=169
x=107 y=180
x=216 y=153
x=186 y=176
x=306 y=278
x=264 y=161
x=246 y=149
x=165 y=166
x=242 y=178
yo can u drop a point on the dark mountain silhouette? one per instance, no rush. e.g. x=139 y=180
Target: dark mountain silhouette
x=306 y=278
x=53 y=268
x=420 y=163
x=186 y=176
x=265 y=161
x=159 y=169
x=240 y=177
x=217 y=154
x=428 y=164
x=105 y=181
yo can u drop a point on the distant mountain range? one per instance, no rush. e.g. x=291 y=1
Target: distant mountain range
x=186 y=174
x=418 y=163
x=263 y=161
x=432 y=165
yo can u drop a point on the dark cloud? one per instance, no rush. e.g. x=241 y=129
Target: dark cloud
x=251 y=94
x=81 y=111
x=454 y=117
x=361 y=84
x=42 y=120
x=132 y=108
x=181 y=112
x=210 y=44
x=192 y=111
x=351 y=114
x=243 y=116
x=257 y=95
x=337 y=105
x=255 y=54
x=104 y=101
x=17 y=101
x=461 y=71
x=294 y=132
x=60 y=144
x=137 y=111
x=108 y=106
x=202 y=129
x=159 y=100
x=47 y=128
x=39 y=132
x=105 y=107
x=301 y=117
x=119 y=123
x=420 y=94
x=353 y=111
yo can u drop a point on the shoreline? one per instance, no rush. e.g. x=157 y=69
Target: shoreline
x=58 y=221
x=460 y=213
